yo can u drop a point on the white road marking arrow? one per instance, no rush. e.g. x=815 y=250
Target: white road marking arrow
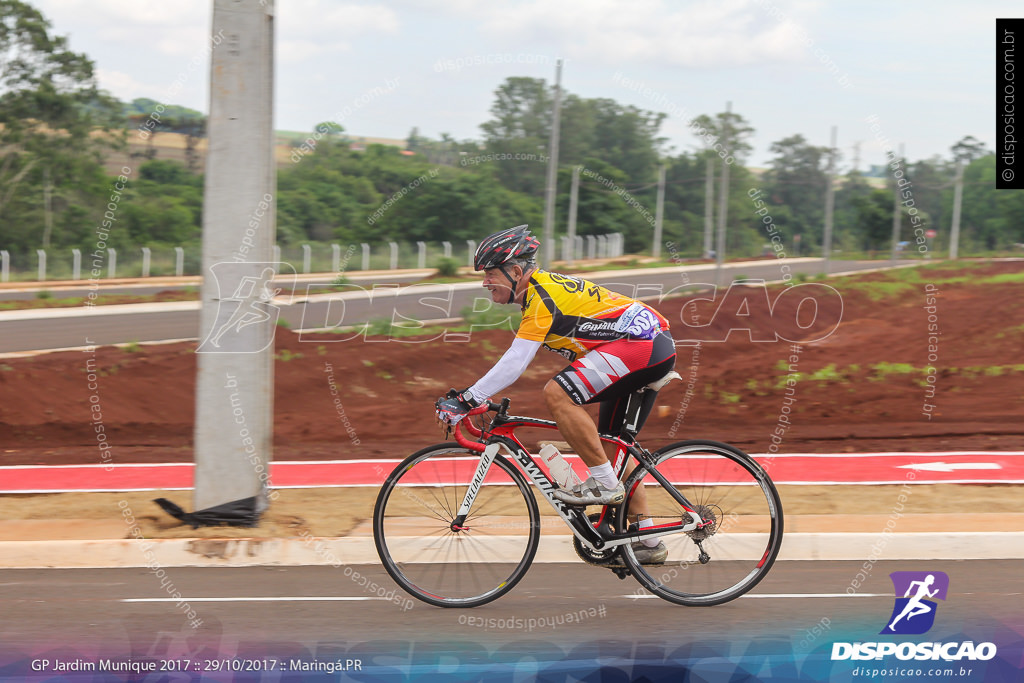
x=951 y=466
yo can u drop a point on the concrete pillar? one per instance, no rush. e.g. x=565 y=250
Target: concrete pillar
x=235 y=380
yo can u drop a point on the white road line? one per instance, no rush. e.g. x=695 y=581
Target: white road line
x=348 y=598
x=788 y=595
x=300 y=598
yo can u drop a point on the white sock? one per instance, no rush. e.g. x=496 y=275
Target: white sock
x=604 y=475
x=649 y=542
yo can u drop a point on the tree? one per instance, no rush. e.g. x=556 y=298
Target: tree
x=968 y=149
x=798 y=180
x=50 y=107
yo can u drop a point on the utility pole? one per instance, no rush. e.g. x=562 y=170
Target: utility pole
x=549 y=207
x=574 y=196
x=830 y=201
x=659 y=213
x=47 y=208
x=723 y=199
x=896 y=213
x=709 y=203
x=958 y=194
x=235 y=372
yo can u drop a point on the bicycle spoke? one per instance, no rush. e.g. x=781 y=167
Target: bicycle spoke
x=471 y=566
x=735 y=550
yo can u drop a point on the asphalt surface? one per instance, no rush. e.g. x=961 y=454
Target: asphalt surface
x=30 y=290
x=114 y=609
x=22 y=331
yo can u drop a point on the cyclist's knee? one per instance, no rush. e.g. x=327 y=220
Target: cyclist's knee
x=554 y=395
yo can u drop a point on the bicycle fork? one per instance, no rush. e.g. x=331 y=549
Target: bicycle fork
x=459 y=523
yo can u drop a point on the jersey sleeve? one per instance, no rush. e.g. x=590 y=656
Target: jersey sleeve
x=506 y=371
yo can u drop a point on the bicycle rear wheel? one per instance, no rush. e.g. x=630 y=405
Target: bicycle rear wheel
x=412 y=527
x=727 y=558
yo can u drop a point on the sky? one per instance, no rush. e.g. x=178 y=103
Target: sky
x=916 y=73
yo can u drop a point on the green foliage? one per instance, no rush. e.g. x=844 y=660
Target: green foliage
x=826 y=374
x=493 y=317
x=447 y=267
x=884 y=369
x=56 y=125
x=131 y=347
x=285 y=355
x=52 y=123
x=44 y=294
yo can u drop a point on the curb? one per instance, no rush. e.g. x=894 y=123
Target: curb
x=254 y=552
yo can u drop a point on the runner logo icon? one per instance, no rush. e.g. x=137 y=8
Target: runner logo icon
x=245 y=295
x=914 y=612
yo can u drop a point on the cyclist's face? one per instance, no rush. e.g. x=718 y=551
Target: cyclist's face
x=498 y=285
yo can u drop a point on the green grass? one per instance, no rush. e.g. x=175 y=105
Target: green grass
x=826 y=374
x=284 y=355
x=495 y=317
x=132 y=347
x=1002 y=278
x=797 y=377
x=386 y=327
x=44 y=294
x=884 y=369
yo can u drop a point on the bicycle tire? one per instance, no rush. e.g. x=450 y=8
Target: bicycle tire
x=730 y=487
x=417 y=546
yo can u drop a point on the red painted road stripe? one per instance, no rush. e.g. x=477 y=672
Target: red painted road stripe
x=794 y=468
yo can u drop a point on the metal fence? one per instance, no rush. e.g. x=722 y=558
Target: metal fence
x=144 y=262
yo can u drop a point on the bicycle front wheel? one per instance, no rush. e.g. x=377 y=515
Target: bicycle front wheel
x=480 y=561
x=728 y=557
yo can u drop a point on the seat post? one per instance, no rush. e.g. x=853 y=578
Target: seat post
x=633 y=406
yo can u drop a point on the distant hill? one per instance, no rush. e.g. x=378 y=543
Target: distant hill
x=174 y=147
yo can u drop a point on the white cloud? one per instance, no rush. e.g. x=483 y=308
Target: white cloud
x=710 y=33
x=322 y=20
x=123 y=86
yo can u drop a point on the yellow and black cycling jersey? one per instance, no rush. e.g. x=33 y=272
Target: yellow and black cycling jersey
x=571 y=316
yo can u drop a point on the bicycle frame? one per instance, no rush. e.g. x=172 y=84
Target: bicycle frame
x=501 y=435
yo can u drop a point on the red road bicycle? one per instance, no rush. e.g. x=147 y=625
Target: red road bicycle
x=457 y=525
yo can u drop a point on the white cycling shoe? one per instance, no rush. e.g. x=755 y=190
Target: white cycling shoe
x=591 y=493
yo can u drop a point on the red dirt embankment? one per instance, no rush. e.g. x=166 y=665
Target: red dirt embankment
x=863 y=387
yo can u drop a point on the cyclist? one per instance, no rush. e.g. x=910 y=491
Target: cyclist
x=615 y=346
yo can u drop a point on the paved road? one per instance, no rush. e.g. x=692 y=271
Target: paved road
x=324 y=613
x=30 y=290
x=65 y=328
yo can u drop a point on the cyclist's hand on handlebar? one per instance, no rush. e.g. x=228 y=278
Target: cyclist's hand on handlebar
x=453 y=408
